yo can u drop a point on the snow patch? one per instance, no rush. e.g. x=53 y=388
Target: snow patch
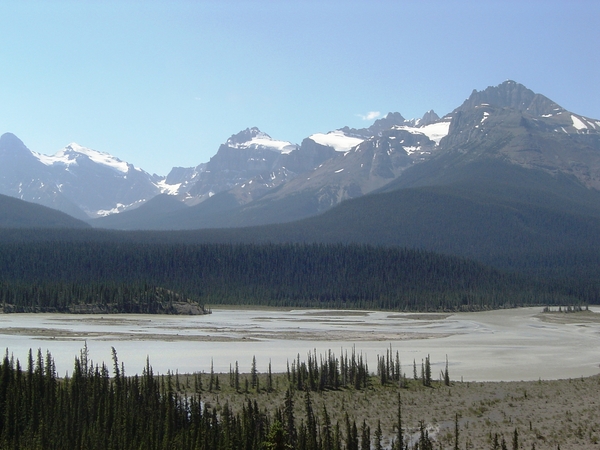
x=411 y=150
x=434 y=131
x=339 y=170
x=264 y=140
x=336 y=139
x=170 y=189
x=577 y=123
x=485 y=116
x=68 y=156
x=119 y=207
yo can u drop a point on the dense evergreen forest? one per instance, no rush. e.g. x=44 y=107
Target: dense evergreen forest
x=146 y=277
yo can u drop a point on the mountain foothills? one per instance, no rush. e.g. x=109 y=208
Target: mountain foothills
x=15 y=213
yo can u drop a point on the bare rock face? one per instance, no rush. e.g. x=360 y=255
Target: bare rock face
x=511 y=123
x=511 y=95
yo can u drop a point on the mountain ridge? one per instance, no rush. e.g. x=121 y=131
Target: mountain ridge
x=254 y=179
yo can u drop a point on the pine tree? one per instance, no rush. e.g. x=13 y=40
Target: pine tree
x=378 y=436
x=399 y=444
x=327 y=432
x=254 y=373
x=446 y=374
x=311 y=423
x=456 y=432
x=211 y=381
x=365 y=436
x=289 y=419
x=269 y=379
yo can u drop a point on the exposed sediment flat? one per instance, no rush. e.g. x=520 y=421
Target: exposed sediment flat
x=502 y=345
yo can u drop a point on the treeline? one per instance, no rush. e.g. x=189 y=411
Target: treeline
x=93 y=410
x=289 y=275
x=94 y=298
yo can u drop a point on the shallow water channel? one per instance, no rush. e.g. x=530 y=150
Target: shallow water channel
x=499 y=345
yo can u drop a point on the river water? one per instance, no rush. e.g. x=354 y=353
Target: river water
x=502 y=345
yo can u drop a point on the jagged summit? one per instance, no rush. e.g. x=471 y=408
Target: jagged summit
x=387 y=122
x=254 y=138
x=428 y=118
x=245 y=136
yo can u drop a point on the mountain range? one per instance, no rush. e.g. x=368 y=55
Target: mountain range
x=505 y=146
x=249 y=166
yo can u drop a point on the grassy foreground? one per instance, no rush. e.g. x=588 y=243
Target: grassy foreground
x=546 y=414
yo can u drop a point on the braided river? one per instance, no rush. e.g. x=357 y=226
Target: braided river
x=502 y=345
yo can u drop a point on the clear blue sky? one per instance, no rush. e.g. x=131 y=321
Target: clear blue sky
x=164 y=83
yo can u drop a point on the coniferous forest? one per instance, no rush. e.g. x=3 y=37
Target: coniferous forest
x=92 y=409
x=154 y=278
x=322 y=403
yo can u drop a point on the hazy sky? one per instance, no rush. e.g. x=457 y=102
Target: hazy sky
x=164 y=83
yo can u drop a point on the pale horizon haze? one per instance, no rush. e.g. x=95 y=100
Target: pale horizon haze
x=161 y=84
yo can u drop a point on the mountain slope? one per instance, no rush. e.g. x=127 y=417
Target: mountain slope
x=324 y=170
x=15 y=213
x=254 y=179
x=76 y=180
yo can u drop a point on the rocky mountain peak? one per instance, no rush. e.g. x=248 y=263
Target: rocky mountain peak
x=428 y=118
x=245 y=136
x=385 y=123
x=511 y=94
x=390 y=120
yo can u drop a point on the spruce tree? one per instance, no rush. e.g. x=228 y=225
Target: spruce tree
x=254 y=373
x=327 y=432
x=399 y=444
x=365 y=436
x=378 y=436
x=289 y=419
x=456 y=432
x=446 y=374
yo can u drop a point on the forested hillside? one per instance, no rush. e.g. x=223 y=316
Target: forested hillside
x=16 y=213
x=46 y=274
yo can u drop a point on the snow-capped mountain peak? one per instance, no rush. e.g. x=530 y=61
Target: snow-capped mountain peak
x=254 y=138
x=72 y=153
